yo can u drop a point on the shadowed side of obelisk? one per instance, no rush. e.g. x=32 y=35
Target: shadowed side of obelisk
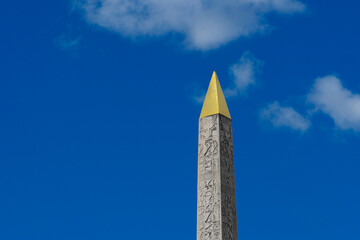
x=216 y=212
x=228 y=199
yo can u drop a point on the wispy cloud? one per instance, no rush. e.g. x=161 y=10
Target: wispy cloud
x=203 y=24
x=199 y=99
x=66 y=42
x=329 y=96
x=285 y=117
x=244 y=73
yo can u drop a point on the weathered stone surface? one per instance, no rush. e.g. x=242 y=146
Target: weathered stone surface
x=216 y=207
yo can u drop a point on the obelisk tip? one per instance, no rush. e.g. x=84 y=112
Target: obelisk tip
x=214 y=102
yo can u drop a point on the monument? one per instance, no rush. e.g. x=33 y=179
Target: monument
x=216 y=205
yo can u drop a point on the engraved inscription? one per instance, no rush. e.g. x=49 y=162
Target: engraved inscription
x=216 y=217
x=209 y=191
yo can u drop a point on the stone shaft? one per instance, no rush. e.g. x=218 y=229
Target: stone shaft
x=216 y=204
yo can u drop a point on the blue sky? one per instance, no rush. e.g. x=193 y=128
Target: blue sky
x=100 y=103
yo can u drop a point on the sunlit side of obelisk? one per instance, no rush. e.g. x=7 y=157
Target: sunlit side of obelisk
x=216 y=204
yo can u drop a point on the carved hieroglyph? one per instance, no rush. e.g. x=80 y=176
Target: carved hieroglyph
x=216 y=206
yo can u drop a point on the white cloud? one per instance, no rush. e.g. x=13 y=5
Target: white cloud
x=203 y=24
x=285 y=117
x=244 y=74
x=329 y=96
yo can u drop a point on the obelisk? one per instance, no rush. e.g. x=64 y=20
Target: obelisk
x=216 y=205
